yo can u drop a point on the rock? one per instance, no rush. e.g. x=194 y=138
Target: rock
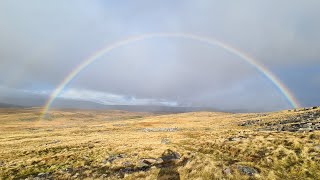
x=239 y=138
x=280 y=128
x=159 y=161
x=307 y=125
x=315 y=107
x=143 y=166
x=250 y=171
x=115 y=157
x=227 y=171
x=90 y=146
x=165 y=141
x=69 y=170
x=305 y=130
x=160 y=129
x=149 y=161
x=41 y=176
x=127 y=170
x=127 y=163
x=317 y=148
x=250 y=123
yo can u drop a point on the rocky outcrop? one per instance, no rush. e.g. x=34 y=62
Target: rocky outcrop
x=306 y=120
x=246 y=170
x=160 y=129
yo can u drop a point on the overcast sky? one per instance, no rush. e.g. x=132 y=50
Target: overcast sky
x=41 y=42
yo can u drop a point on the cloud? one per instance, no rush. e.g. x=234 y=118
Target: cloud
x=42 y=42
x=103 y=97
x=111 y=99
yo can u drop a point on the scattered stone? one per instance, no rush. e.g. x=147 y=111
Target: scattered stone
x=239 y=138
x=127 y=170
x=69 y=170
x=307 y=121
x=305 y=130
x=127 y=163
x=250 y=171
x=250 y=123
x=159 y=161
x=227 y=171
x=143 y=166
x=160 y=129
x=41 y=176
x=149 y=161
x=90 y=146
x=165 y=141
x=115 y=157
x=317 y=148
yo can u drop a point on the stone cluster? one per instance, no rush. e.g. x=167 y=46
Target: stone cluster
x=307 y=120
x=160 y=129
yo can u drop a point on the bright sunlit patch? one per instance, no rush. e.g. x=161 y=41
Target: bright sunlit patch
x=242 y=55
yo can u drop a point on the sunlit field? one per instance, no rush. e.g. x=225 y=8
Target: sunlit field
x=72 y=144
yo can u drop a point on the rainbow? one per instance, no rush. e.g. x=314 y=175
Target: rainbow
x=258 y=66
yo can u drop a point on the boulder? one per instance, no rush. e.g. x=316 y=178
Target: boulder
x=246 y=170
x=149 y=161
x=165 y=141
x=227 y=171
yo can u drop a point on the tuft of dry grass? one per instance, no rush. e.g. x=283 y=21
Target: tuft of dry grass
x=110 y=145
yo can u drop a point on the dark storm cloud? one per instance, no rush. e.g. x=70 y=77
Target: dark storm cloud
x=41 y=42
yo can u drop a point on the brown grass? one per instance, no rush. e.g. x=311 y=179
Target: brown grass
x=84 y=140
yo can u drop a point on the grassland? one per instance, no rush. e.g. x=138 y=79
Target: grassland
x=115 y=144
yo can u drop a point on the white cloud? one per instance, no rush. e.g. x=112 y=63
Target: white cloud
x=110 y=99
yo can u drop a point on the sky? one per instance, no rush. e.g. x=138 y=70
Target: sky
x=41 y=42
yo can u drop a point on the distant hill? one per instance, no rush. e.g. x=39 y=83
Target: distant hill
x=5 y=105
x=27 y=100
x=74 y=104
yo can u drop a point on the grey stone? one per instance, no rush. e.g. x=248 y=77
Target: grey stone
x=143 y=166
x=149 y=161
x=114 y=157
x=250 y=171
x=317 y=148
x=227 y=171
x=165 y=141
x=127 y=163
x=69 y=170
x=160 y=129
